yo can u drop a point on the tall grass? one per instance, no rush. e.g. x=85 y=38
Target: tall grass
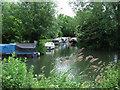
x=109 y=78
x=89 y=67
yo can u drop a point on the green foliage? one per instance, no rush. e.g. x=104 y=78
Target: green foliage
x=28 y=21
x=97 y=24
x=66 y=25
x=60 y=34
x=41 y=45
x=109 y=78
x=118 y=73
x=15 y=74
x=59 y=80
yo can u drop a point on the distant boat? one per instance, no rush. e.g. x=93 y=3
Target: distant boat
x=49 y=45
x=57 y=41
x=63 y=39
x=73 y=40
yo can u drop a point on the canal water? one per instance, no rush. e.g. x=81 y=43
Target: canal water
x=62 y=59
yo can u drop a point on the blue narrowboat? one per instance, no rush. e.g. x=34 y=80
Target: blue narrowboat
x=24 y=49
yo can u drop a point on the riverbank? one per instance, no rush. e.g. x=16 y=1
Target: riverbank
x=41 y=45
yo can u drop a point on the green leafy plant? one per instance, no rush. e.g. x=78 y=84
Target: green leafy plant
x=41 y=45
x=15 y=74
x=109 y=78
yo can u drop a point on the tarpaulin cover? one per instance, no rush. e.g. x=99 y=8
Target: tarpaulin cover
x=7 y=48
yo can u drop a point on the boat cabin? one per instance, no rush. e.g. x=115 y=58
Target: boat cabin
x=49 y=45
x=57 y=41
x=26 y=48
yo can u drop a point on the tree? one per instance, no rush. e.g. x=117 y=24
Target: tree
x=28 y=21
x=66 y=25
x=97 y=25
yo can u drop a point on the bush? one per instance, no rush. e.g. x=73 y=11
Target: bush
x=15 y=74
x=59 y=80
x=41 y=45
x=109 y=78
x=119 y=74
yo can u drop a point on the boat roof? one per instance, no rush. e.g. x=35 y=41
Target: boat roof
x=49 y=42
x=8 y=44
x=57 y=39
x=63 y=37
x=26 y=45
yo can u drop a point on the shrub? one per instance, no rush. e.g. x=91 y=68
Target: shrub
x=59 y=80
x=41 y=45
x=119 y=74
x=109 y=78
x=15 y=74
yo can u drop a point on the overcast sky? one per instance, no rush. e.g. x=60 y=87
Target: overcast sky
x=64 y=8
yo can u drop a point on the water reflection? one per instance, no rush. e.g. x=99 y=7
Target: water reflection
x=59 y=59
x=62 y=64
x=105 y=56
x=64 y=46
x=50 y=52
x=115 y=58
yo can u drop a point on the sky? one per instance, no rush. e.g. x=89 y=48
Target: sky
x=64 y=8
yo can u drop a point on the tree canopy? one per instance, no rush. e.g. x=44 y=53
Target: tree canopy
x=66 y=25
x=98 y=24
x=28 y=21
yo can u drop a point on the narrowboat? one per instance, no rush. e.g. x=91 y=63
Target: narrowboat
x=20 y=49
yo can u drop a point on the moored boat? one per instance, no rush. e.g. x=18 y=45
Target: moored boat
x=57 y=41
x=49 y=45
x=20 y=49
x=73 y=40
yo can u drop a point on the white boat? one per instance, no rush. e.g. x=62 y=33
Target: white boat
x=49 y=45
x=73 y=40
x=57 y=41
